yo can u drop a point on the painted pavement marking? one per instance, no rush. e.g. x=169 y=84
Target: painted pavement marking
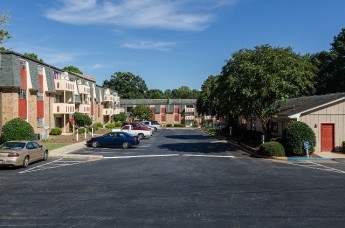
x=170 y=155
x=53 y=165
x=313 y=165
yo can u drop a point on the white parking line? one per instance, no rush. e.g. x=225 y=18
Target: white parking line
x=52 y=165
x=313 y=165
x=170 y=155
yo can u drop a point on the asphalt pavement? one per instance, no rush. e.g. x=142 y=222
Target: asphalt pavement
x=66 y=151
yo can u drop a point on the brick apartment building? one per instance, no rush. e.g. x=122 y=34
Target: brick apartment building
x=47 y=97
x=167 y=111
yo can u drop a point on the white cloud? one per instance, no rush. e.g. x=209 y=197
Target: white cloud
x=189 y=15
x=162 y=46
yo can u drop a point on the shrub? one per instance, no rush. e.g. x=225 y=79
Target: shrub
x=55 y=131
x=294 y=135
x=272 y=148
x=82 y=119
x=17 y=129
x=82 y=130
x=169 y=125
x=99 y=125
x=118 y=124
x=343 y=147
x=94 y=127
x=110 y=125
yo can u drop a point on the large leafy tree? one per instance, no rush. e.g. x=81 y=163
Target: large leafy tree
x=33 y=56
x=155 y=94
x=207 y=102
x=72 y=69
x=184 y=92
x=254 y=80
x=331 y=66
x=4 y=34
x=141 y=112
x=128 y=85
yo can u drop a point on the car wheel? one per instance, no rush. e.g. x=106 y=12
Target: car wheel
x=125 y=145
x=95 y=144
x=140 y=136
x=25 y=162
x=45 y=156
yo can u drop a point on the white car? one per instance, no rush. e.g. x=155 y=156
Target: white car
x=153 y=123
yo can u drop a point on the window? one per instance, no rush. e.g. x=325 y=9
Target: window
x=40 y=122
x=22 y=94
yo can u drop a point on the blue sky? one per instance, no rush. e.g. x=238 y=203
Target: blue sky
x=168 y=43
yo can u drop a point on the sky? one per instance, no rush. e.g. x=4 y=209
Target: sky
x=167 y=43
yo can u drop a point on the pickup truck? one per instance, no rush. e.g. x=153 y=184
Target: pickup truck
x=142 y=132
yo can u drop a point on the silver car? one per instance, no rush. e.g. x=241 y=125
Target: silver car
x=21 y=153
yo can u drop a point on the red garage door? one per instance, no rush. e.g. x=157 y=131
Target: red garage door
x=327 y=137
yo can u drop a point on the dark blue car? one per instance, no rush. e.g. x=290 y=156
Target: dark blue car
x=114 y=139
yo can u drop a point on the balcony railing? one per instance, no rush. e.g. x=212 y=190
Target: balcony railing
x=108 y=112
x=84 y=108
x=64 y=85
x=109 y=98
x=189 y=117
x=189 y=110
x=83 y=89
x=63 y=108
x=118 y=110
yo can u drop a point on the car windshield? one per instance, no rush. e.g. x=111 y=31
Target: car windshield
x=12 y=145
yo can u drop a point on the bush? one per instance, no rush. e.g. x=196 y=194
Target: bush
x=118 y=124
x=94 y=127
x=99 y=125
x=294 y=135
x=169 y=125
x=343 y=147
x=272 y=148
x=82 y=119
x=17 y=129
x=55 y=131
x=110 y=125
x=82 y=130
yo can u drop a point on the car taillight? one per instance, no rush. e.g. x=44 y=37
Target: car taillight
x=136 y=138
x=13 y=154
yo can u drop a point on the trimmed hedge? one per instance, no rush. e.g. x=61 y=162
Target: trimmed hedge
x=17 y=129
x=294 y=135
x=272 y=148
x=55 y=131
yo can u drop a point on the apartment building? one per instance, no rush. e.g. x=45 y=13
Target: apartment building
x=47 y=97
x=167 y=111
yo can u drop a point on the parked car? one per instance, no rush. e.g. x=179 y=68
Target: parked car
x=143 y=130
x=114 y=139
x=21 y=153
x=140 y=131
x=153 y=123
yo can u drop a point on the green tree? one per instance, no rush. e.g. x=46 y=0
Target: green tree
x=127 y=85
x=207 y=102
x=331 y=67
x=72 y=69
x=17 y=129
x=253 y=81
x=141 y=112
x=155 y=94
x=33 y=56
x=4 y=34
x=82 y=119
x=168 y=93
x=184 y=92
x=119 y=117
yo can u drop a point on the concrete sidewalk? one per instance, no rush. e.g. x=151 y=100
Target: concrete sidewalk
x=66 y=151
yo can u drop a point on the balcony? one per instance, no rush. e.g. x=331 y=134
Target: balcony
x=190 y=110
x=84 y=108
x=118 y=110
x=109 y=98
x=83 y=89
x=189 y=117
x=63 y=108
x=64 y=85
x=108 y=112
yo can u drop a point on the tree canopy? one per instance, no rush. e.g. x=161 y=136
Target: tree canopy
x=254 y=80
x=72 y=69
x=141 y=112
x=33 y=56
x=128 y=85
x=331 y=67
x=4 y=34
